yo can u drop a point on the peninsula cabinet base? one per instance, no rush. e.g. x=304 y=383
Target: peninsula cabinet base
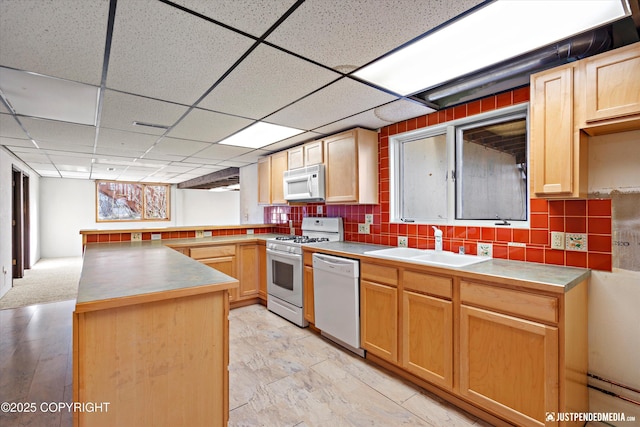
x=160 y=363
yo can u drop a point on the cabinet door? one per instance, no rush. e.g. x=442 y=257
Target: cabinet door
x=278 y=166
x=249 y=270
x=226 y=265
x=341 y=168
x=509 y=365
x=264 y=180
x=295 y=158
x=551 y=137
x=427 y=338
x=307 y=293
x=612 y=84
x=313 y=153
x=379 y=320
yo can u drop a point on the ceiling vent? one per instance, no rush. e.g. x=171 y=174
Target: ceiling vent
x=514 y=72
x=222 y=178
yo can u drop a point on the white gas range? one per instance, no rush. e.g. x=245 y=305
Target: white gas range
x=285 y=266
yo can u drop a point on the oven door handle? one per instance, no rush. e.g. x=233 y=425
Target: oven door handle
x=294 y=257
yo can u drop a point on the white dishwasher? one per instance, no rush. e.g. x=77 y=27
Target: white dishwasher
x=336 y=289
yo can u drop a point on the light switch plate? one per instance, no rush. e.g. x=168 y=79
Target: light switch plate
x=199 y=234
x=136 y=237
x=403 y=241
x=156 y=236
x=485 y=249
x=557 y=240
x=364 y=229
x=576 y=242
x=249 y=230
x=207 y=234
x=319 y=209
x=368 y=219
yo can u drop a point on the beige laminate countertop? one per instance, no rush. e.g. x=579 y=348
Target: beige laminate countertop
x=119 y=274
x=552 y=278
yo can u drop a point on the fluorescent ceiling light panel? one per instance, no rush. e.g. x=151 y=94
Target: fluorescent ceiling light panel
x=260 y=134
x=36 y=95
x=499 y=31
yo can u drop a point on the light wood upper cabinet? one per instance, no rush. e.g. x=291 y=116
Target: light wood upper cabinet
x=264 y=180
x=554 y=155
x=351 y=160
x=313 y=153
x=279 y=164
x=296 y=157
x=594 y=96
x=613 y=84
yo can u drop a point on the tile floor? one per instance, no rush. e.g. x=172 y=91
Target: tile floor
x=282 y=375
x=279 y=375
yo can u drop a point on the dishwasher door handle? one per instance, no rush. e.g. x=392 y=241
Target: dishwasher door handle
x=326 y=260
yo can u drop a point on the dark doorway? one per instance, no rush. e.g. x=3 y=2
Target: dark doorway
x=20 y=223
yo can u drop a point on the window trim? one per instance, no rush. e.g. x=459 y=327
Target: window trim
x=450 y=128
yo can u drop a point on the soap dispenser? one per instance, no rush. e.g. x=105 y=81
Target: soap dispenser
x=438 y=234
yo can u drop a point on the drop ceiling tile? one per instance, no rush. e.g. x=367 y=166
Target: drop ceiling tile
x=57 y=148
x=54 y=132
x=207 y=126
x=338 y=100
x=352 y=33
x=293 y=141
x=251 y=157
x=179 y=147
x=267 y=80
x=120 y=110
x=202 y=161
x=383 y=115
x=64 y=38
x=178 y=56
x=10 y=128
x=221 y=152
x=43 y=167
x=3 y=109
x=15 y=142
x=233 y=164
x=63 y=163
x=154 y=155
x=127 y=141
x=75 y=174
x=29 y=157
x=251 y=16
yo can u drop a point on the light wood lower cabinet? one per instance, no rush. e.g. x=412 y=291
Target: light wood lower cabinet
x=161 y=363
x=379 y=319
x=308 y=295
x=509 y=365
x=245 y=262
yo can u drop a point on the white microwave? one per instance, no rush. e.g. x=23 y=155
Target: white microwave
x=304 y=184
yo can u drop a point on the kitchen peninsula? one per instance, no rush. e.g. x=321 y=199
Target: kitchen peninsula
x=151 y=337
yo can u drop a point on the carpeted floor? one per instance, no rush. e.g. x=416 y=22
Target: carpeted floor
x=49 y=280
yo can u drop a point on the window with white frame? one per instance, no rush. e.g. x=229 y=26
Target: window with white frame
x=471 y=171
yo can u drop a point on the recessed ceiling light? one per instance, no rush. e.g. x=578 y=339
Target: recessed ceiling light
x=260 y=134
x=496 y=32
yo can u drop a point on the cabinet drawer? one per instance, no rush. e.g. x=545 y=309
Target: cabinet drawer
x=427 y=283
x=539 y=307
x=379 y=274
x=212 y=251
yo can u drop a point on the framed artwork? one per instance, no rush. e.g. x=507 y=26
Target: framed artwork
x=132 y=201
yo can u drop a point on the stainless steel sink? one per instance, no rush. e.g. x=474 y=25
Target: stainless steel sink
x=427 y=256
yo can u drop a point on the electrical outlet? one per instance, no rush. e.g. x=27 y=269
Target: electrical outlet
x=364 y=229
x=199 y=234
x=403 y=241
x=557 y=240
x=368 y=219
x=576 y=242
x=136 y=237
x=319 y=210
x=485 y=249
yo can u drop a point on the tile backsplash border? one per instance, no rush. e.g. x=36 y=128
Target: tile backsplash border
x=590 y=217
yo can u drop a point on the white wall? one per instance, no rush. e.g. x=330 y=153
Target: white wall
x=250 y=211
x=68 y=206
x=203 y=207
x=7 y=160
x=614 y=298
